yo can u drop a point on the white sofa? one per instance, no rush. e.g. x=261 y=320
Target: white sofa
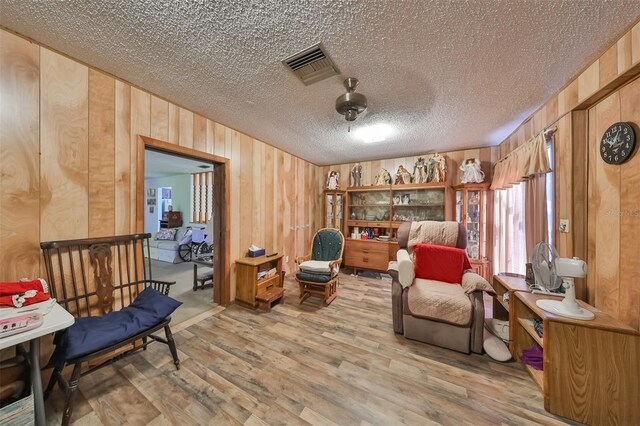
x=166 y=251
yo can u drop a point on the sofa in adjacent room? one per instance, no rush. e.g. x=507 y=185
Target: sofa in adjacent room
x=166 y=250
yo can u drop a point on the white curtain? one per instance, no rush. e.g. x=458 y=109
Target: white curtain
x=509 y=249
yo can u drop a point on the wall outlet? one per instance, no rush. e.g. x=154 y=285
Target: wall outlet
x=564 y=226
x=286 y=259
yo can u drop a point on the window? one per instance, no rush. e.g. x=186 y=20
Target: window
x=201 y=197
x=550 y=194
x=509 y=249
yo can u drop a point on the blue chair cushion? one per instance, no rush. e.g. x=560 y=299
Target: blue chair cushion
x=316 y=278
x=327 y=245
x=90 y=334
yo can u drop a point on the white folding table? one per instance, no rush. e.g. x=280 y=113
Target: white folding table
x=57 y=319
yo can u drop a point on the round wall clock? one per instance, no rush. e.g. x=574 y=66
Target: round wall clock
x=617 y=143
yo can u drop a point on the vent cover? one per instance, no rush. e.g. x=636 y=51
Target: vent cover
x=311 y=65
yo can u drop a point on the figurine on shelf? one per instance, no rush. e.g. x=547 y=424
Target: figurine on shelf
x=332 y=179
x=436 y=168
x=356 y=175
x=471 y=171
x=419 y=172
x=383 y=178
x=402 y=176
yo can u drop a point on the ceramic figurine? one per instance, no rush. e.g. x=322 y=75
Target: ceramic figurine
x=402 y=176
x=383 y=178
x=471 y=171
x=332 y=179
x=436 y=169
x=419 y=171
x=356 y=175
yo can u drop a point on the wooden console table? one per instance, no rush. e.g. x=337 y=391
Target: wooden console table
x=590 y=368
x=249 y=289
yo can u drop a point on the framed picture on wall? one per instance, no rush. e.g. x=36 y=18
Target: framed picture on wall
x=151 y=209
x=151 y=192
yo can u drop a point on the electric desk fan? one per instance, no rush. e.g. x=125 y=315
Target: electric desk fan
x=551 y=272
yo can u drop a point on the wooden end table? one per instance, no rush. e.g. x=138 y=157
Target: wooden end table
x=249 y=288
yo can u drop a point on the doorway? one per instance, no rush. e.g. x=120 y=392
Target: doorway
x=219 y=210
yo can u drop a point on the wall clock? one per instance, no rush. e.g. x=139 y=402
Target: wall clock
x=617 y=143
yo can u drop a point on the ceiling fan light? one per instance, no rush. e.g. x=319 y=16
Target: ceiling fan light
x=374 y=133
x=351 y=114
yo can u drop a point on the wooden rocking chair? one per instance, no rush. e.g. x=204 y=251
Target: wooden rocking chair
x=318 y=271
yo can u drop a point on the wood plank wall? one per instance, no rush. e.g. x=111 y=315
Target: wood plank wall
x=614 y=213
x=68 y=162
x=585 y=190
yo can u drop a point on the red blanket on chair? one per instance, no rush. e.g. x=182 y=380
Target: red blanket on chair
x=440 y=263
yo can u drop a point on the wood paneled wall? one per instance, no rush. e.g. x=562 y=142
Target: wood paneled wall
x=68 y=162
x=488 y=156
x=614 y=213
x=599 y=199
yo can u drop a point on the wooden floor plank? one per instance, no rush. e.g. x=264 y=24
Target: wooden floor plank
x=306 y=365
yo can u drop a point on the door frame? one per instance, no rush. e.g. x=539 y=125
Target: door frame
x=221 y=267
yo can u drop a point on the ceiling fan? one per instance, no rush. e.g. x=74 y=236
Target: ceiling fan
x=351 y=103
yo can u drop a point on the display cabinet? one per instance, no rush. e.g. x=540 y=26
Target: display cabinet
x=473 y=210
x=375 y=213
x=418 y=202
x=333 y=209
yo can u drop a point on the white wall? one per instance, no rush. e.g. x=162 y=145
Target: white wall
x=180 y=196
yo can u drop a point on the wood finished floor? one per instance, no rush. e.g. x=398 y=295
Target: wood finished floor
x=341 y=365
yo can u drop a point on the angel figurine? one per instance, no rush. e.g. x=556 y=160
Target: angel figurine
x=419 y=171
x=356 y=175
x=383 y=178
x=439 y=169
x=471 y=171
x=333 y=178
x=402 y=176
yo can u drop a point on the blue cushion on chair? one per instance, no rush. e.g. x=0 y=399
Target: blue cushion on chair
x=90 y=334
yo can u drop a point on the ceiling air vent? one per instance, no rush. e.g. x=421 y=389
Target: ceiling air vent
x=311 y=65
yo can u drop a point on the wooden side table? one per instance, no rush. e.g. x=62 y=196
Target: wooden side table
x=248 y=288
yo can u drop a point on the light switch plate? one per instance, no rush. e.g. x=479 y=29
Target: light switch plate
x=564 y=226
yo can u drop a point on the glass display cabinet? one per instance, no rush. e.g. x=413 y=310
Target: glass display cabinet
x=375 y=213
x=473 y=209
x=333 y=209
x=413 y=203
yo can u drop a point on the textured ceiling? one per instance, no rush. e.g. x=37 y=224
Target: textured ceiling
x=158 y=164
x=446 y=74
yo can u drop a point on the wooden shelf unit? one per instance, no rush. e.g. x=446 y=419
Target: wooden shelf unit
x=383 y=204
x=506 y=283
x=591 y=368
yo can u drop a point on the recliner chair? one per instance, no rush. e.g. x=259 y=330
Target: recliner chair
x=436 y=324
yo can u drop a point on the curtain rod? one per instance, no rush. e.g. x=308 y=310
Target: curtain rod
x=546 y=133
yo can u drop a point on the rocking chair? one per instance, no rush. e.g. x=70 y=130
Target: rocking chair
x=318 y=271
